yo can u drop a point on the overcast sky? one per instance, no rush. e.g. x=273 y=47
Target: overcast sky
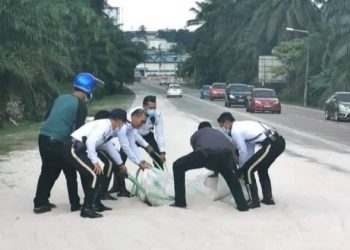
x=154 y=14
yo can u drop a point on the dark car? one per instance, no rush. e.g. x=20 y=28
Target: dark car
x=204 y=92
x=263 y=99
x=217 y=91
x=338 y=106
x=236 y=94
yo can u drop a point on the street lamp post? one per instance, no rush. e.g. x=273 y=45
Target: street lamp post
x=307 y=61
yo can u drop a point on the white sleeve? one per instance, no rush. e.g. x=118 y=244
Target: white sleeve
x=112 y=152
x=125 y=145
x=133 y=146
x=241 y=146
x=91 y=143
x=140 y=139
x=159 y=133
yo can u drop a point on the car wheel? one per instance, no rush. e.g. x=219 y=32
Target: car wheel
x=252 y=110
x=326 y=115
x=336 y=116
x=180 y=96
x=228 y=104
x=211 y=99
x=278 y=112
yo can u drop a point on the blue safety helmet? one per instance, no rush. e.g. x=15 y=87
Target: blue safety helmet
x=84 y=82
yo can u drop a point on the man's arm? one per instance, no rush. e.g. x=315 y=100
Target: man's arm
x=241 y=146
x=125 y=145
x=81 y=114
x=112 y=152
x=159 y=133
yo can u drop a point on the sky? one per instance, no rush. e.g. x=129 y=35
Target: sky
x=154 y=14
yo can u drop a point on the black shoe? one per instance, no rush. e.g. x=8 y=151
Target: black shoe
x=243 y=209
x=177 y=205
x=74 y=208
x=42 y=209
x=100 y=208
x=108 y=196
x=215 y=174
x=268 y=201
x=113 y=190
x=125 y=193
x=90 y=213
x=51 y=205
x=253 y=204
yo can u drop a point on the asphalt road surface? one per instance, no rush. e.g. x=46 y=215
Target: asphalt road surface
x=302 y=126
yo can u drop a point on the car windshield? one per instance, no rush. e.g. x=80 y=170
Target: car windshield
x=344 y=97
x=219 y=86
x=175 y=87
x=265 y=93
x=206 y=87
x=240 y=88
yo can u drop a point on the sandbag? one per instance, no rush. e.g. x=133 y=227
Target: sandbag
x=155 y=187
x=223 y=192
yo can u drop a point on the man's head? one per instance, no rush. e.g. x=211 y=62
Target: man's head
x=149 y=104
x=117 y=117
x=101 y=114
x=83 y=85
x=204 y=124
x=226 y=120
x=138 y=118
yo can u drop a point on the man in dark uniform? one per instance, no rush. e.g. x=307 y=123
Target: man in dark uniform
x=212 y=150
x=67 y=114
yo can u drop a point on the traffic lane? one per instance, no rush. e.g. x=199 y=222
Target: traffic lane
x=305 y=119
x=296 y=130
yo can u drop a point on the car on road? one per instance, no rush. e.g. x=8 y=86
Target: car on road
x=163 y=81
x=236 y=94
x=338 y=106
x=217 y=91
x=174 y=90
x=263 y=99
x=204 y=92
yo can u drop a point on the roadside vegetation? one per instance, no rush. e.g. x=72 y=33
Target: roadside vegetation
x=45 y=43
x=25 y=135
x=234 y=33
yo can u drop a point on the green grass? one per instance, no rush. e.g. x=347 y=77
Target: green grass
x=25 y=136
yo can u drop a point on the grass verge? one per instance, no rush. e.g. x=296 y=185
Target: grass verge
x=25 y=136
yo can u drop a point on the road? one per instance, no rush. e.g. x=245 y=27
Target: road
x=302 y=126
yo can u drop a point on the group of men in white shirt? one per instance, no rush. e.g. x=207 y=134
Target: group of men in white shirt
x=92 y=142
x=143 y=127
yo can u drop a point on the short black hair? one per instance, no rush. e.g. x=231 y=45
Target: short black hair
x=118 y=114
x=138 y=112
x=204 y=124
x=149 y=98
x=226 y=116
x=101 y=114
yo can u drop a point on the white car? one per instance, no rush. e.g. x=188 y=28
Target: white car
x=174 y=90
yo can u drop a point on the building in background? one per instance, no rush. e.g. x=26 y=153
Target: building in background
x=113 y=13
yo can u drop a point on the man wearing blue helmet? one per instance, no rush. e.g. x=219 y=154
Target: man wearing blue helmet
x=67 y=114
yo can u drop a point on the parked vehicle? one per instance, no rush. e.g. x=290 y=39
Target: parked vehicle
x=217 y=91
x=236 y=93
x=174 y=90
x=204 y=92
x=338 y=106
x=263 y=99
